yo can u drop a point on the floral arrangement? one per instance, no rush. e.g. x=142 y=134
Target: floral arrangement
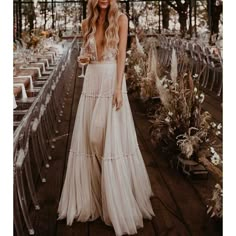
x=179 y=125
x=140 y=81
x=137 y=69
x=147 y=87
x=30 y=39
x=150 y=42
x=46 y=33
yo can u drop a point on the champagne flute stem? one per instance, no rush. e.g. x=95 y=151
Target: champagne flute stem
x=83 y=70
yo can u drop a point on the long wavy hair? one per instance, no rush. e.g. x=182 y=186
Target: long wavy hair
x=111 y=38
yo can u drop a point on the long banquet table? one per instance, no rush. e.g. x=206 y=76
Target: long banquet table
x=37 y=115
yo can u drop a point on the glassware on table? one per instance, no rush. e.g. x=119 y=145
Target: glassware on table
x=83 y=59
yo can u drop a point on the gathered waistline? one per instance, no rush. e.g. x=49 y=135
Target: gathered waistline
x=103 y=62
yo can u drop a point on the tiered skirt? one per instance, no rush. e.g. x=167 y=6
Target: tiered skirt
x=106 y=176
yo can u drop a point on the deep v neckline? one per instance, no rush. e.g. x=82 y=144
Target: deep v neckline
x=96 y=50
x=95 y=46
x=95 y=42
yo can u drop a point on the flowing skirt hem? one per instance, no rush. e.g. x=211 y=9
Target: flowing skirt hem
x=118 y=191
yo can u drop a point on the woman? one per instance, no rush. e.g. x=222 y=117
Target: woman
x=106 y=176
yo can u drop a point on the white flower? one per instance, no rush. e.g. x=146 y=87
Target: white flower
x=195 y=90
x=212 y=150
x=215 y=162
x=218 y=133
x=217 y=186
x=215 y=159
x=170 y=113
x=137 y=69
x=219 y=126
x=196 y=97
x=202 y=97
x=167 y=119
x=213 y=124
x=195 y=76
x=163 y=80
x=128 y=52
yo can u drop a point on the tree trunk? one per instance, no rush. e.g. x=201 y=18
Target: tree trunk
x=31 y=16
x=181 y=8
x=53 y=20
x=165 y=15
x=183 y=24
x=214 y=17
x=45 y=14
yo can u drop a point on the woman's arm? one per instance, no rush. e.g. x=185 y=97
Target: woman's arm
x=123 y=34
x=84 y=56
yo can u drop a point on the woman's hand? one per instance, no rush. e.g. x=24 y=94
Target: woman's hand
x=117 y=99
x=84 y=59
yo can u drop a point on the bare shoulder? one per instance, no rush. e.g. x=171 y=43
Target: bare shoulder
x=123 y=19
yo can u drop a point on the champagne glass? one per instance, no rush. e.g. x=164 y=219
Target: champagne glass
x=83 y=59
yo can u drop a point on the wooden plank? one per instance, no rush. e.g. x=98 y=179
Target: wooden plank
x=160 y=189
x=214 y=107
x=77 y=228
x=147 y=229
x=98 y=227
x=63 y=230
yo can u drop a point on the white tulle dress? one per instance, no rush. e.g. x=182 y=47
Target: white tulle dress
x=106 y=176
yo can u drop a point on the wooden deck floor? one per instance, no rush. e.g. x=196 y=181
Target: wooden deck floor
x=177 y=203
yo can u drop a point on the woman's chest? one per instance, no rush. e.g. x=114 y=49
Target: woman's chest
x=99 y=39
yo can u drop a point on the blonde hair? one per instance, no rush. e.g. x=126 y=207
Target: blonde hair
x=111 y=27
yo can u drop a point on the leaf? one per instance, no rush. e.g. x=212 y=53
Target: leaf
x=209 y=209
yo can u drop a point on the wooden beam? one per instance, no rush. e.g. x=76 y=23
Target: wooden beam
x=84 y=8
x=53 y=26
x=20 y=19
x=195 y=17
x=159 y=16
x=190 y=18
